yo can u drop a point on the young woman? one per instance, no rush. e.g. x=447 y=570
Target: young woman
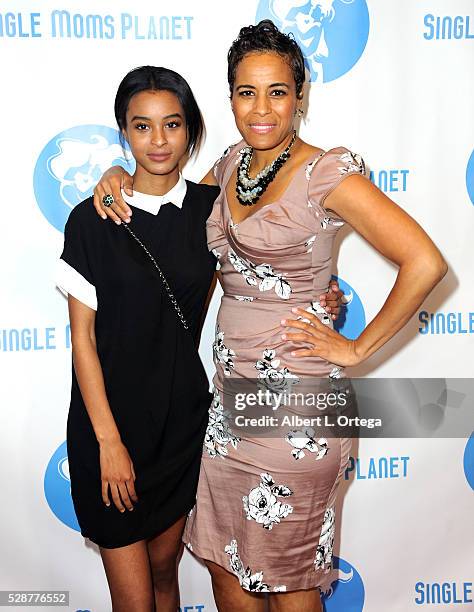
x=140 y=396
x=264 y=520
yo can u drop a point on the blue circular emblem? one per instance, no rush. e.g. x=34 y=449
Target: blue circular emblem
x=351 y=320
x=470 y=177
x=71 y=164
x=469 y=461
x=57 y=488
x=331 y=33
x=347 y=593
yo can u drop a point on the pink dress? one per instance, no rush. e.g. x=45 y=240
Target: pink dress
x=265 y=507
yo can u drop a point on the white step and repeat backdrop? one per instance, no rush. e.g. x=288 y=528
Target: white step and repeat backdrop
x=391 y=80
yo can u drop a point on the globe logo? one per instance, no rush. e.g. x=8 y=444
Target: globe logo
x=347 y=593
x=470 y=177
x=469 y=461
x=351 y=320
x=71 y=164
x=57 y=488
x=331 y=33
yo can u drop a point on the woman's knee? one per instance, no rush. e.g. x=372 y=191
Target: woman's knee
x=308 y=600
x=164 y=566
x=217 y=572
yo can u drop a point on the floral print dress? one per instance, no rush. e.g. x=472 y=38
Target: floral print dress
x=265 y=506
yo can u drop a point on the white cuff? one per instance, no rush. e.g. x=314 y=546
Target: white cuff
x=69 y=281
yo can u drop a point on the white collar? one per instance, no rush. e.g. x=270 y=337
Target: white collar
x=152 y=203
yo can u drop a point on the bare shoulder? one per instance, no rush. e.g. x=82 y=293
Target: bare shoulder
x=210 y=178
x=213 y=177
x=306 y=151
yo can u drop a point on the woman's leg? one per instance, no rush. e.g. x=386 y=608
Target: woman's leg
x=229 y=595
x=129 y=577
x=309 y=601
x=165 y=551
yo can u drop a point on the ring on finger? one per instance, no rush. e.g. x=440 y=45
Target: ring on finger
x=108 y=200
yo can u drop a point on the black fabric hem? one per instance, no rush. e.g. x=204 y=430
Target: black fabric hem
x=149 y=536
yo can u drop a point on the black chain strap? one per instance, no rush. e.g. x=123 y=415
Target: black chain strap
x=162 y=276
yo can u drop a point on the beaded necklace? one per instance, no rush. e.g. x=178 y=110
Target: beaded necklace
x=249 y=190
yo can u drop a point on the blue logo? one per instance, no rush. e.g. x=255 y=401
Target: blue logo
x=470 y=177
x=351 y=320
x=331 y=33
x=57 y=488
x=348 y=593
x=71 y=164
x=469 y=461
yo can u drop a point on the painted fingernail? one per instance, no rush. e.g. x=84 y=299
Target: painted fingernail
x=327 y=309
x=118 y=222
x=104 y=217
x=295 y=310
x=283 y=337
x=293 y=353
x=283 y=322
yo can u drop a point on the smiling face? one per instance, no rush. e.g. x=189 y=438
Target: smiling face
x=264 y=100
x=156 y=132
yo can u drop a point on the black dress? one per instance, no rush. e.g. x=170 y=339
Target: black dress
x=155 y=382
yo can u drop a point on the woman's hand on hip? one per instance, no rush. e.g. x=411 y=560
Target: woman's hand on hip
x=112 y=182
x=118 y=475
x=323 y=341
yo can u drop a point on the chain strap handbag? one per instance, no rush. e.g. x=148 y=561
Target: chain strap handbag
x=161 y=275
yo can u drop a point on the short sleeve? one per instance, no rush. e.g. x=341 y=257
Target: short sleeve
x=327 y=171
x=74 y=272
